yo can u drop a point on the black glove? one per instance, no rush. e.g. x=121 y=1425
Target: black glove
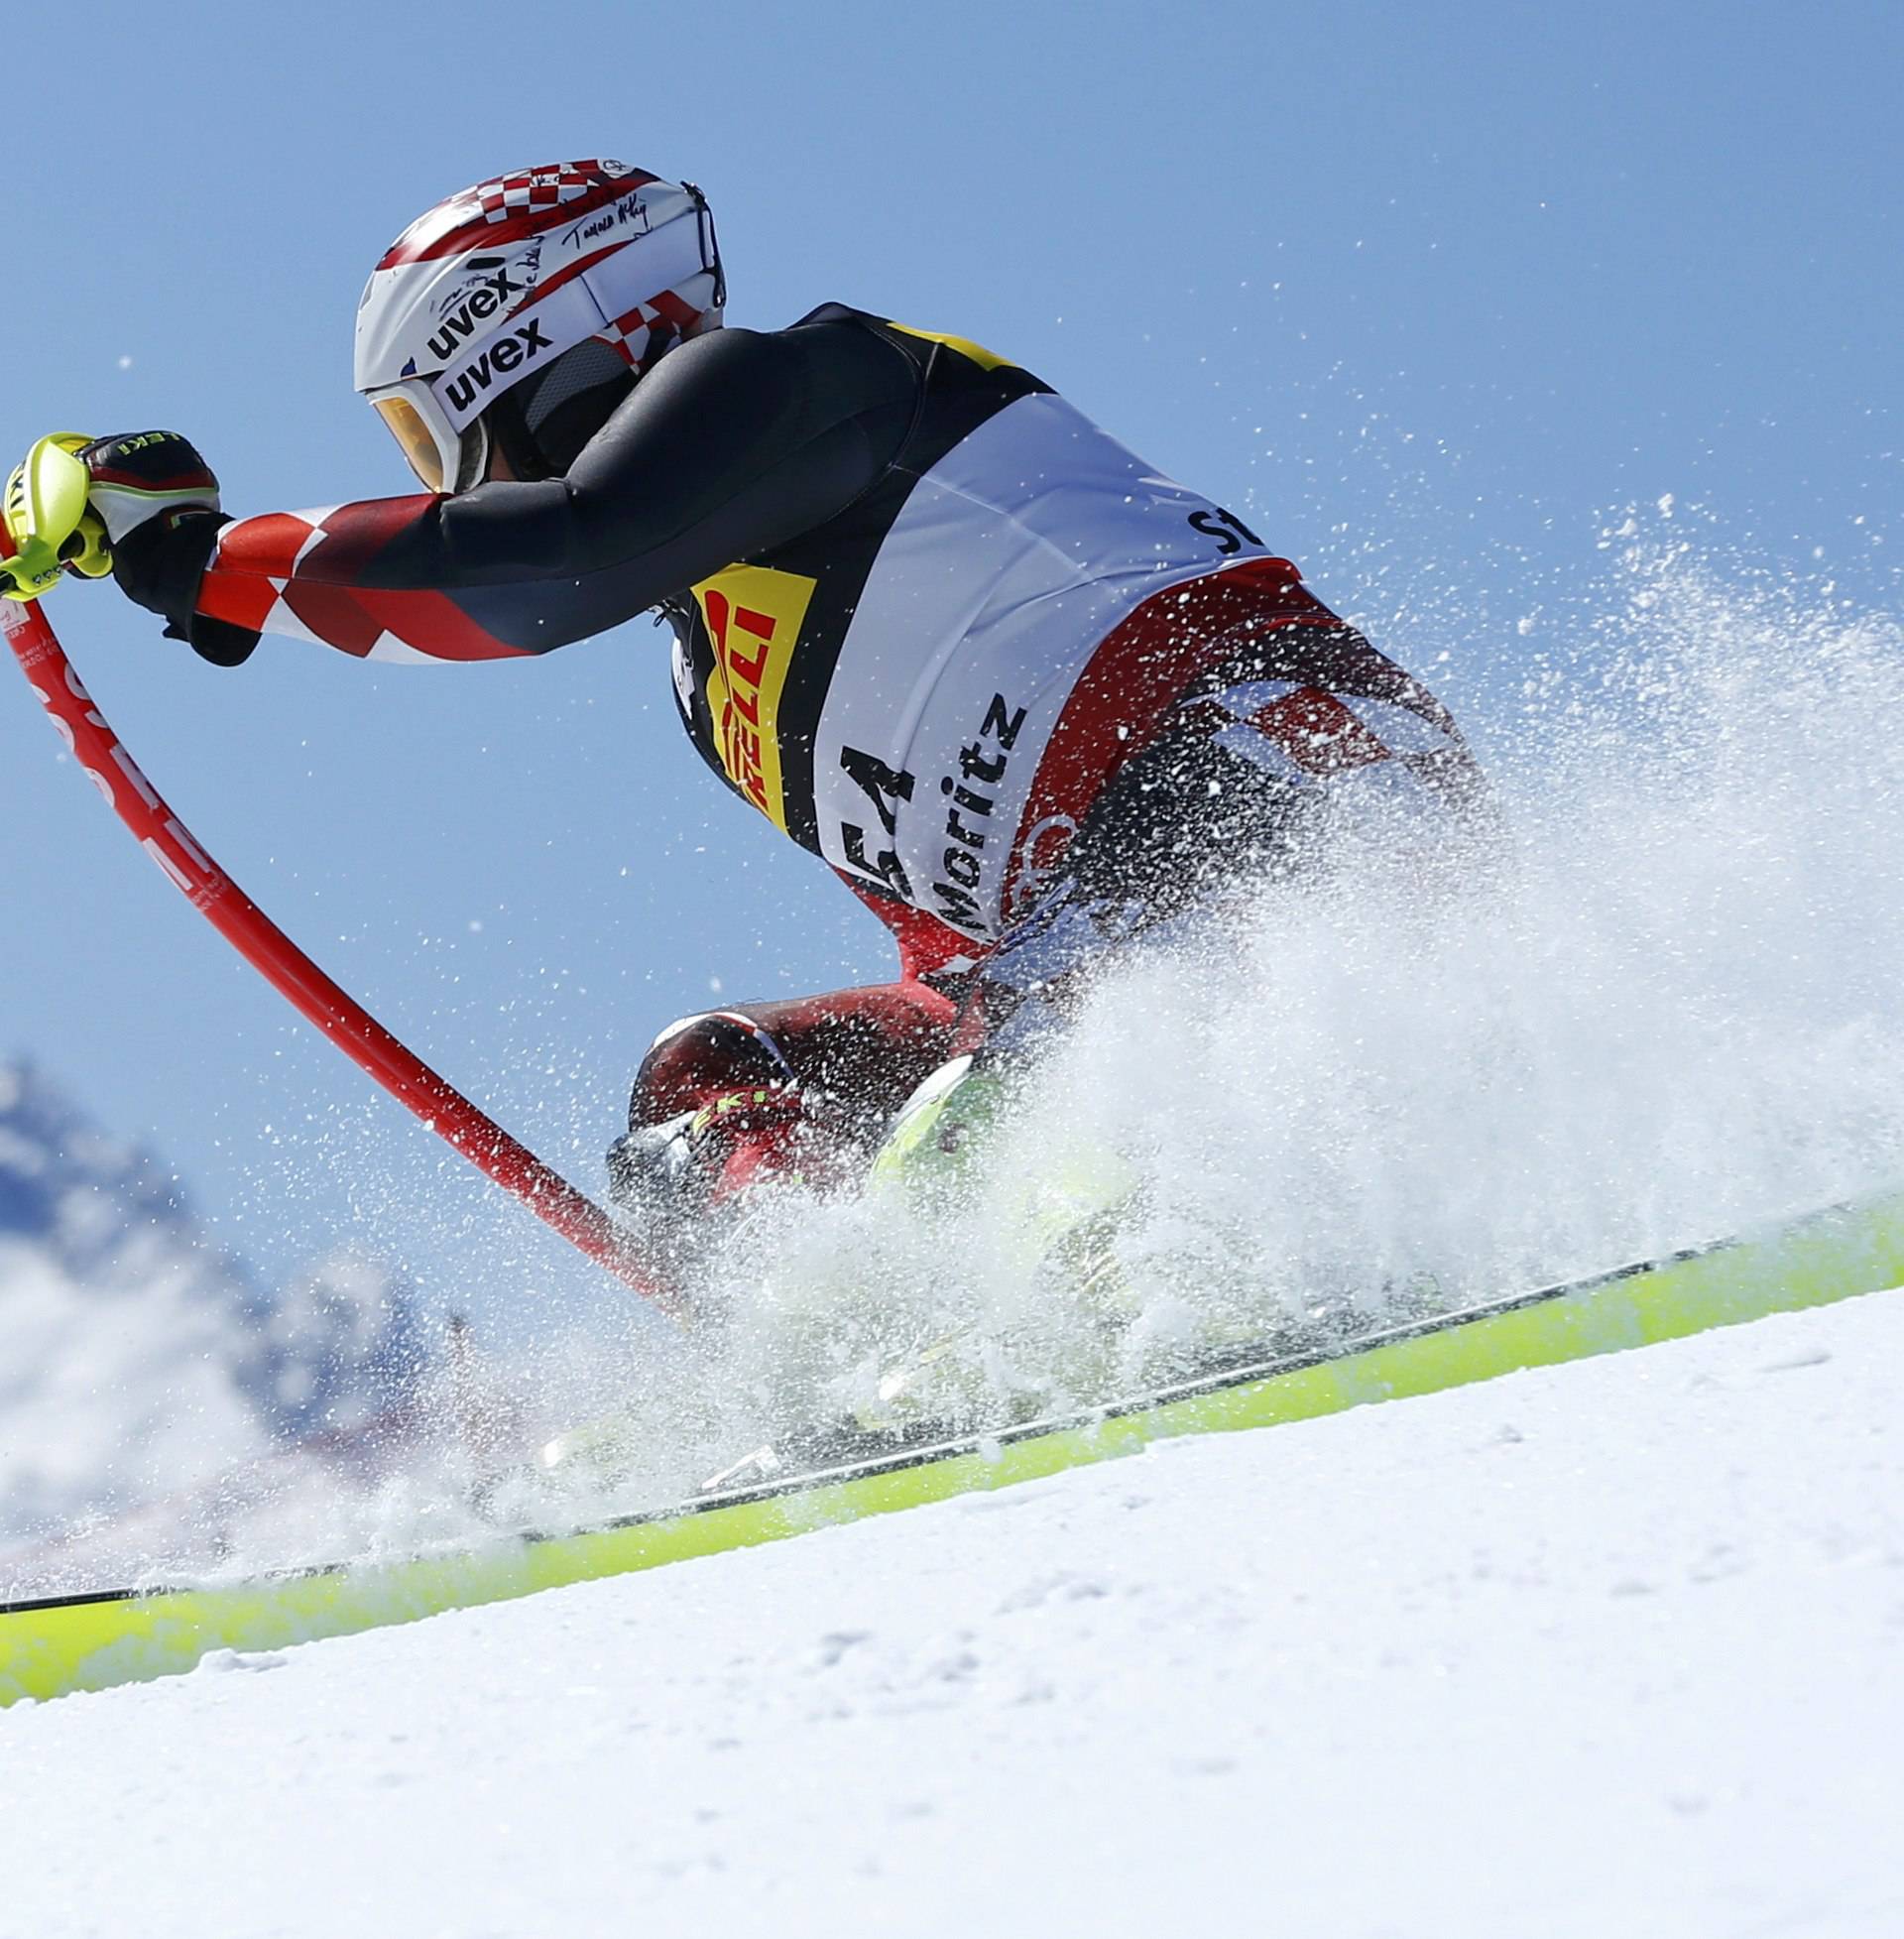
x=159 y=500
x=670 y=1181
x=663 y=1171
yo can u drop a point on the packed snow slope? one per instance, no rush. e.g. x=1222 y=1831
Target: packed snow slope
x=1610 y=1648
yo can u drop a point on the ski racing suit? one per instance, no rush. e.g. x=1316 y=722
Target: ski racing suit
x=1021 y=693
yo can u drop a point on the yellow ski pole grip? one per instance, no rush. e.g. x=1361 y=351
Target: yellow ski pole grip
x=47 y=521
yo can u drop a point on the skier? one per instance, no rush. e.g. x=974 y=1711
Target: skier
x=1026 y=695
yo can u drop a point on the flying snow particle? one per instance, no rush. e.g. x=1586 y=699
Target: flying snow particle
x=125 y=363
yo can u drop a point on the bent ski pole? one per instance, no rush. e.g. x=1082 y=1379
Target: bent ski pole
x=450 y=1115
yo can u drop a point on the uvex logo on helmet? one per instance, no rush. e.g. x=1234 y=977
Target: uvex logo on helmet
x=522 y=344
x=475 y=308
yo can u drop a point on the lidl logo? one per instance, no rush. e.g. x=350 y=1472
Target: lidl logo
x=753 y=617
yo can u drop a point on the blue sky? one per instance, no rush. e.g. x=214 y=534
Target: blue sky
x=1431 y=289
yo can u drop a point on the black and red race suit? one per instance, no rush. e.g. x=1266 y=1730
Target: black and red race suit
x=926 y=616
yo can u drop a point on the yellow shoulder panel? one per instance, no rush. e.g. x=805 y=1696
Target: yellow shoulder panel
x=984 y=358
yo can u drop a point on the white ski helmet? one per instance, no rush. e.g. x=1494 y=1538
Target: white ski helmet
x=510 y=280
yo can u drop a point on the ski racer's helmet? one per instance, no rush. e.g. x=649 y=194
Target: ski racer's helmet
x=520 y=311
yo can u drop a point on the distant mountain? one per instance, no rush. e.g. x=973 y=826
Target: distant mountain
x=136 y=1358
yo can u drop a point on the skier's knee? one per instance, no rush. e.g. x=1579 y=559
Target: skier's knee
x=703 y=1057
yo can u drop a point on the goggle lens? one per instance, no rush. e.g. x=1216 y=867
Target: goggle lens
x=408 y=427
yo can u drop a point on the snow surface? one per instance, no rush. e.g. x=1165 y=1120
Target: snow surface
x=1615 y=1648
x=1609 y=1649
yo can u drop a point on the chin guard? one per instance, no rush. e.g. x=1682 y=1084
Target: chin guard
x=49 y=524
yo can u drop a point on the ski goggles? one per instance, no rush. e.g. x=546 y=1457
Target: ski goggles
x=409 y=418
x=436 y=421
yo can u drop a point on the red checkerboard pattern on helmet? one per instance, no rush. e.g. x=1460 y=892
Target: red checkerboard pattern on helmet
x=510 y=197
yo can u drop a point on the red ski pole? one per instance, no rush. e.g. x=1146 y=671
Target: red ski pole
x=159 y=832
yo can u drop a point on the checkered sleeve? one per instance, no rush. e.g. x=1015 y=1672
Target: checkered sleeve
x=303 y=573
